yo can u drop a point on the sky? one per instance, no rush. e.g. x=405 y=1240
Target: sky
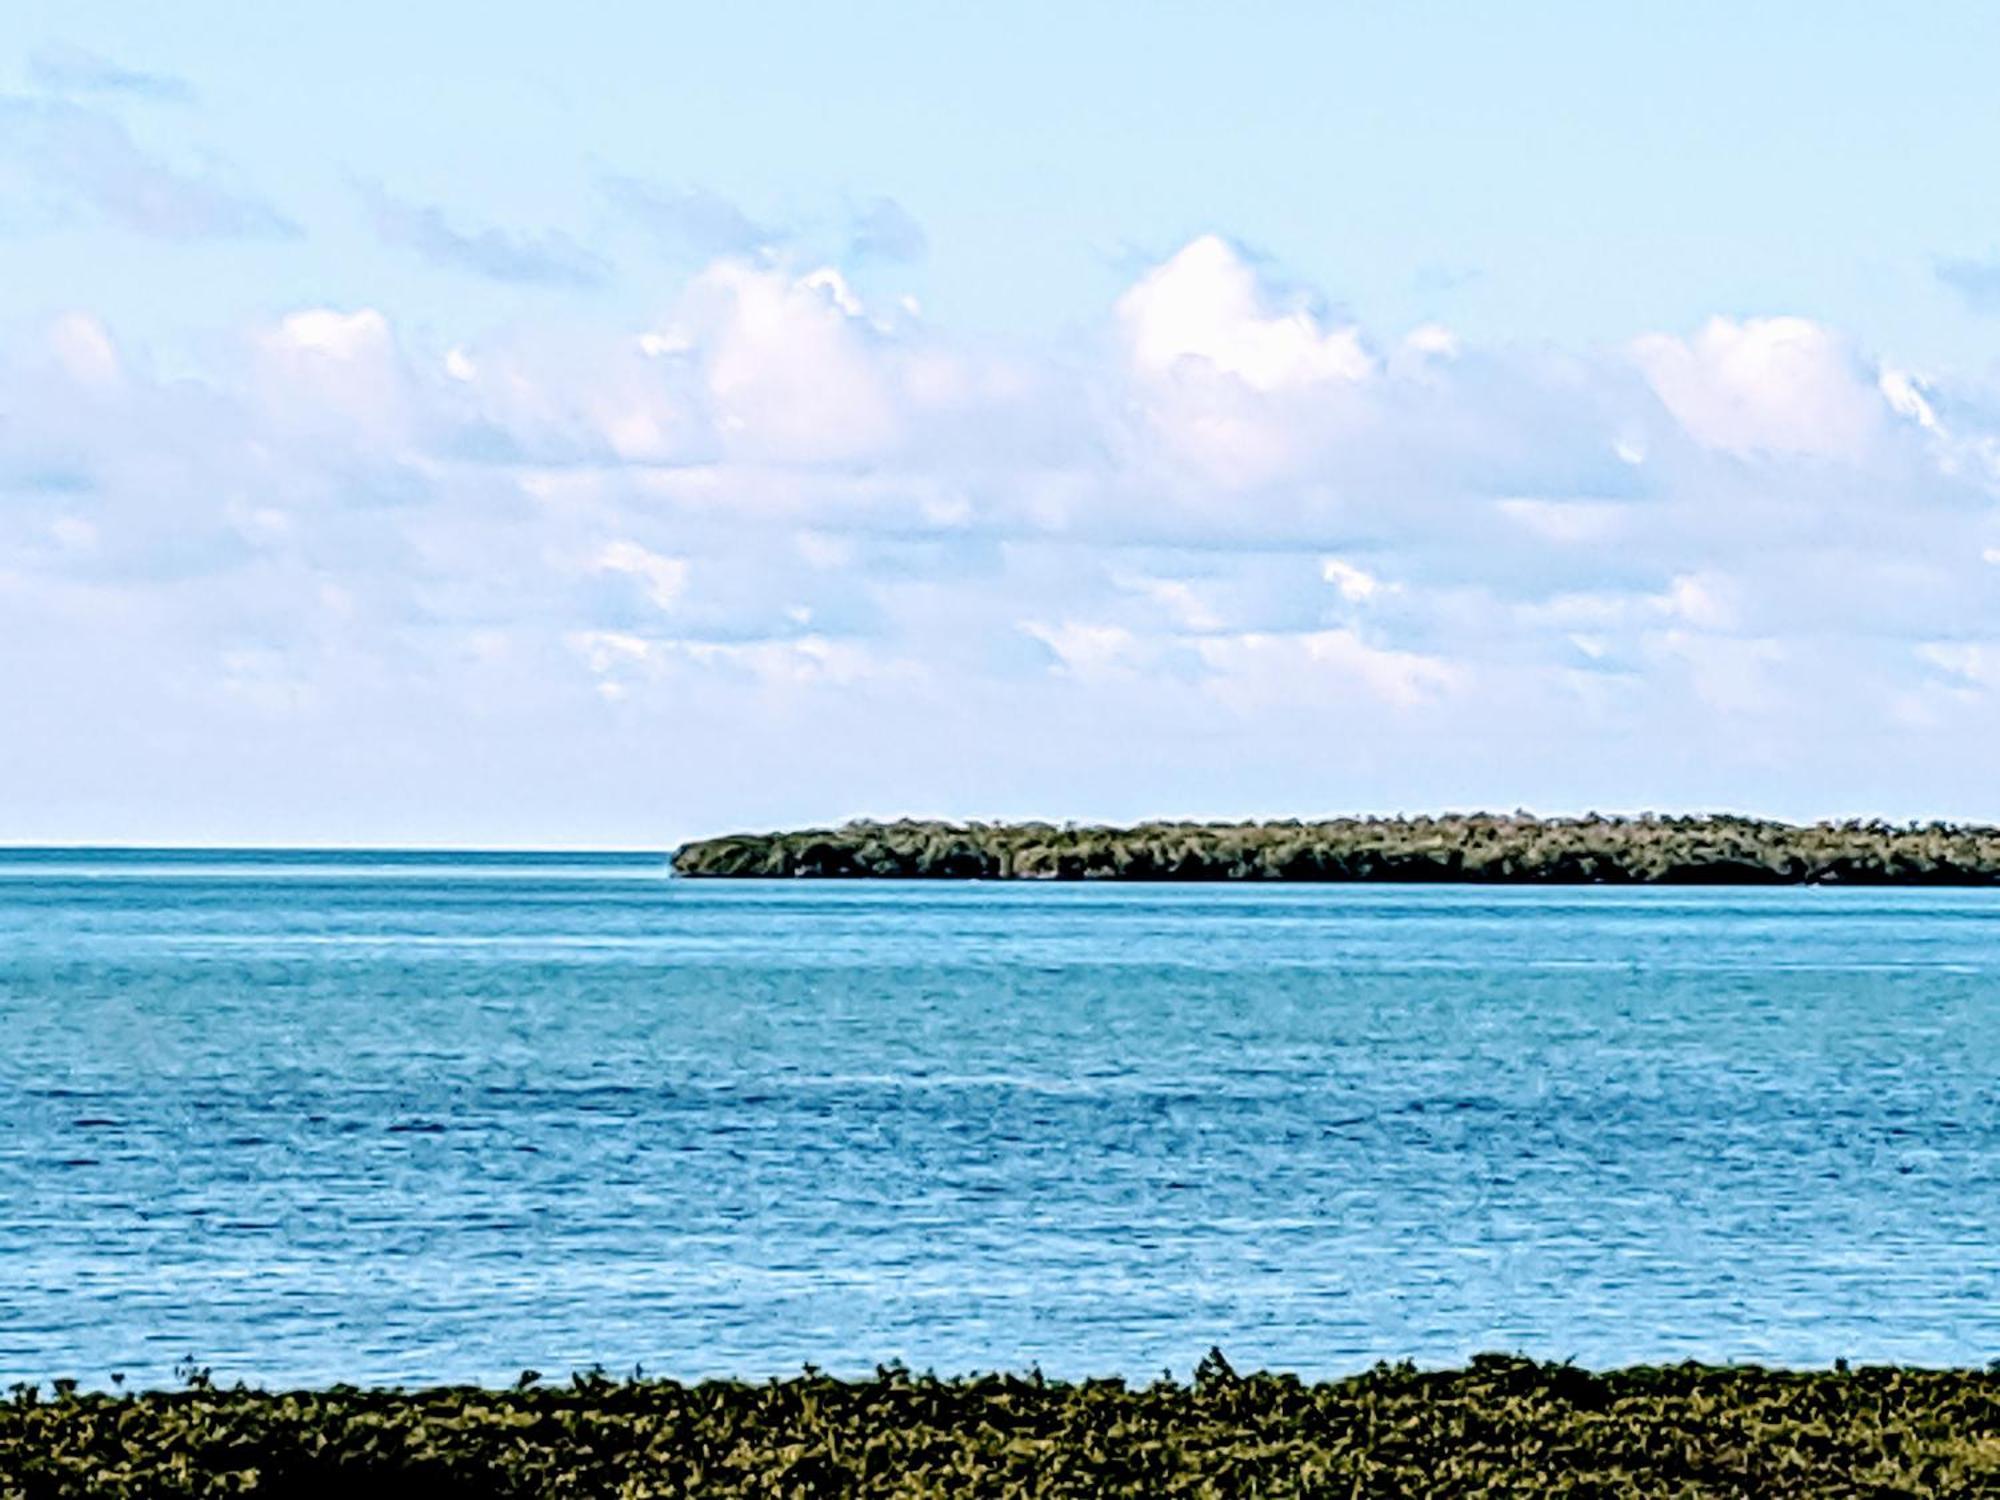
x=493 y=425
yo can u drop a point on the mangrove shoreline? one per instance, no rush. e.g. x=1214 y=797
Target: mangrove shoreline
x=1499 y=1426
x=1476 y=848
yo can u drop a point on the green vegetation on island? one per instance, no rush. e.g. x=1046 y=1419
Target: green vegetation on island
x=1477 y=847
x=1501 y=1426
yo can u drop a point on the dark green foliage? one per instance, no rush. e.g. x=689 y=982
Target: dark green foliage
x=1478 y=847
x=1501 y=1427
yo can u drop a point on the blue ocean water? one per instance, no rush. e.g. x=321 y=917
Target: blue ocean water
x=399 y=1118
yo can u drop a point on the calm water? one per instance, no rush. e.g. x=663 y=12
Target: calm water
x=413 y=1118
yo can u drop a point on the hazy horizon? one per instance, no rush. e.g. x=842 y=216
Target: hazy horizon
x=668 y=847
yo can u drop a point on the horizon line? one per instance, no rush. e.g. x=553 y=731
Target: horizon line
x=667 y=849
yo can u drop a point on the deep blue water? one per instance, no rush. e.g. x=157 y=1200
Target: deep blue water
x=403 y=1118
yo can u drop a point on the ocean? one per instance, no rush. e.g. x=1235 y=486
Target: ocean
x=305 y=1118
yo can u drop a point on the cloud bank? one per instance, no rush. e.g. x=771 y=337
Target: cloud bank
x=787 y=552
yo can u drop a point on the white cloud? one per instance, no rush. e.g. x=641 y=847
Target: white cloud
x=338 y=377
x=808 y=661
x=83 y=347
x=607 y=650
x=1356 y=585
x=1905 y=393
x=1433 y=340
x=626 y=662
x=1702 y=601
x=1085 y=651
x=788 y=364
x=334 y=334
x=1183 y=603
x=664 y=578
x=1765 y=385
x=1259 y=669
x=1205 y=304
x=1233 y=387
x=1975 y=663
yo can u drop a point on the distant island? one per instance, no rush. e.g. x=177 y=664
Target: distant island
x=1481 y=848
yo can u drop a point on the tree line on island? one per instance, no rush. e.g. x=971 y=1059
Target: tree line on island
x=1481 y=848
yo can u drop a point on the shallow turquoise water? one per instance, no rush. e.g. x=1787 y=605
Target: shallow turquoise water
x=413 y=1118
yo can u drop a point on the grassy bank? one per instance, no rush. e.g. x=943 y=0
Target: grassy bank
x=1499 y=1427
x=1477 y=847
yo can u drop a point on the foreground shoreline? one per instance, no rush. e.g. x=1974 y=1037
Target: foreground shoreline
x=1500 y=1425
x=1475 y=848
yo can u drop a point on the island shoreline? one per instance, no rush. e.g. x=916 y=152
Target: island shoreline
x=1467 y=849
x=1498 y=1425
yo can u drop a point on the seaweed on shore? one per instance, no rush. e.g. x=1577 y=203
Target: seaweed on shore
x=1477 y=848
x=1501 y=1426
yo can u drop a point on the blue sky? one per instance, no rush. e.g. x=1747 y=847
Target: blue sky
x=484 y=424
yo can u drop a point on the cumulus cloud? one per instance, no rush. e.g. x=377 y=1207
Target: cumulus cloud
x=550 y=258
x=337 y=378
x=1765 y=385
x=790 y=542
x=1237 y=386
x=1205 y=305
x=790 y=363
